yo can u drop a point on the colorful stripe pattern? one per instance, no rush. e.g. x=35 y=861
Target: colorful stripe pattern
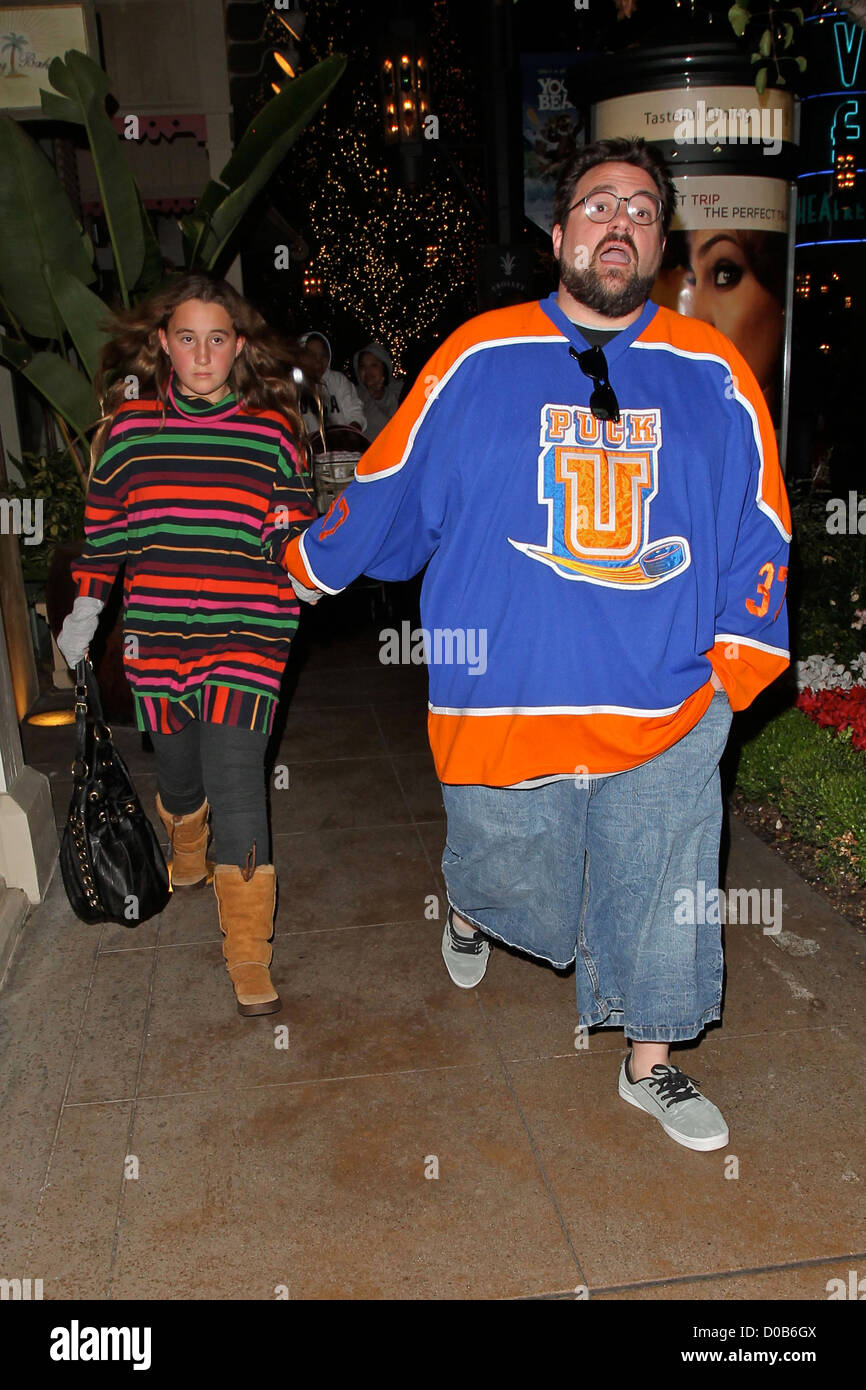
x=199 y=505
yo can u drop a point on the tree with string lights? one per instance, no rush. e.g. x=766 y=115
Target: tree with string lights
x=390 y=259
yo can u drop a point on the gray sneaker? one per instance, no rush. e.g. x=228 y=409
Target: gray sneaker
x=674 y=1100
x=465 y=956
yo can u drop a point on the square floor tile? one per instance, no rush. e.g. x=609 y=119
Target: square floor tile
x=341 y=732
x=639 y=1206
x=421 y=787
x=326 y=1184
x=355 y=1002
x=314 y=796
x=342 y=878
x=108 y=1050
x=72 y=1245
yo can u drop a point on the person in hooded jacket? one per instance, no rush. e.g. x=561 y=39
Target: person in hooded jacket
x=341 y=404
x=378 y=387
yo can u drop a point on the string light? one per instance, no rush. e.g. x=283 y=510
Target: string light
x=398 y=260
x=845 y=171
x=312 y=282
x=295 y=31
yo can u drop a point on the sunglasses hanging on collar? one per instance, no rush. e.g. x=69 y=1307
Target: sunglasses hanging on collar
x=593 y=363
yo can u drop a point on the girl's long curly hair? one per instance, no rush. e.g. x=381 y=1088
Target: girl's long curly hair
x=261 y=376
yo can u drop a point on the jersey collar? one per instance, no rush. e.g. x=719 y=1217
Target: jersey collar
x=612 y=349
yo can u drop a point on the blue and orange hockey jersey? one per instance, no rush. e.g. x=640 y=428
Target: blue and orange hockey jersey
x=610 y=568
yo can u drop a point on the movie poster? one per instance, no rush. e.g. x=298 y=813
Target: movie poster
x=729 y=252
x=726 y=262
x=552 y=126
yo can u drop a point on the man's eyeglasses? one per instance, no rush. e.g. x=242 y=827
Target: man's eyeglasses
x=603 y=402
x=602 y=206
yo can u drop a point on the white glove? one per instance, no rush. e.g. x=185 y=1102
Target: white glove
x=306 y=595
x=78 y=629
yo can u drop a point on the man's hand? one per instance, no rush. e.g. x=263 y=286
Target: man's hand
x=715 y=682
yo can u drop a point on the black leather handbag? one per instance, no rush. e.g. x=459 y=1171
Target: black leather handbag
x=112 y=865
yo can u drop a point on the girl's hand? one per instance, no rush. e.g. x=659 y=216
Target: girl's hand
x=306 y=595
x=78 y=629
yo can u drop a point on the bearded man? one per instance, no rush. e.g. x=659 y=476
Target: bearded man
x=593 y=485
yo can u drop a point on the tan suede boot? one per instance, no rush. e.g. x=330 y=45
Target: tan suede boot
x=246 y=900
x=187 y=835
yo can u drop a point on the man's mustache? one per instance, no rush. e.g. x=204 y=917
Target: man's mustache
x=614 y=241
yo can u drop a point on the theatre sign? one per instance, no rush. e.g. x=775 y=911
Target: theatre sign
x=831 y=206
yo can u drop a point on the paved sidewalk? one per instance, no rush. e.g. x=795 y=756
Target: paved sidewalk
x=156 y=1145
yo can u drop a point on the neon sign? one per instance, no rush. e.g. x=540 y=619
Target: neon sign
x=834 y=117
x=845 y=125
x=851 y=31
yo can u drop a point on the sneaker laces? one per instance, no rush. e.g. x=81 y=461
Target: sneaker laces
x=466 y=945
x=675 y=1086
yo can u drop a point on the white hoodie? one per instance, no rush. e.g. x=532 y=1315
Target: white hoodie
x=340 y=401
x=379 y=410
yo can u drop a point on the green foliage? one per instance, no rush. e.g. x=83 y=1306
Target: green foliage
x=53 y=324
x=86 y=86
x=818 y=781
x=739 y=18
x=67 y=390
x=827 y=584
x=258 y=155
x=772 y=34
x=38 y=228
x=82 y=313
x=52 y=477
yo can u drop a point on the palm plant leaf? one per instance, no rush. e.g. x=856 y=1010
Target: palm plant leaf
x=85 y=84
x=65 y=388
x=262 y=149
x=39 y=228
x=83 y=313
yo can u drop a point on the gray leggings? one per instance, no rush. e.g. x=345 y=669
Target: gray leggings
x=227 y=766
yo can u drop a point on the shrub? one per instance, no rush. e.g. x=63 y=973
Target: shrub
x=818 y=781
x=827 y=584
x=53 y=478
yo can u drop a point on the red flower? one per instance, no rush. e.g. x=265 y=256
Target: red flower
x=837 y=709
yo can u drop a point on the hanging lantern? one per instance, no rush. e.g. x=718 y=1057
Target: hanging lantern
x=404 y=83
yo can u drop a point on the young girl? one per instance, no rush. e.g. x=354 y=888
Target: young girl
x=198 y=486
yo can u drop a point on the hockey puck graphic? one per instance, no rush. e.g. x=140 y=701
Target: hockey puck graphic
x=662 y=559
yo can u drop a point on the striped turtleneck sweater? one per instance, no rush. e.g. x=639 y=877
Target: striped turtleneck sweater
x=200 y=508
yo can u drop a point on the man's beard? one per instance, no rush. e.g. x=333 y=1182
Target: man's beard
x=589 y=288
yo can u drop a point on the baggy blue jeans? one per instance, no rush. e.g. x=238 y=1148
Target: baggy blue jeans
x=591 y=870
